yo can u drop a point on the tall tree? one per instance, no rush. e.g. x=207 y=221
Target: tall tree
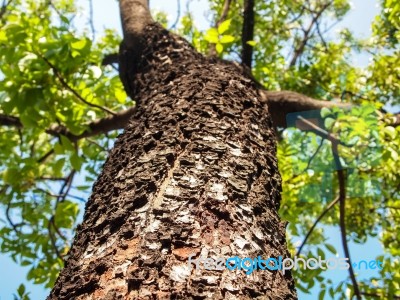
x=194 y=173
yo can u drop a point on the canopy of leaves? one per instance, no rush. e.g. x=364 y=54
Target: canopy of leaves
x=53 y=85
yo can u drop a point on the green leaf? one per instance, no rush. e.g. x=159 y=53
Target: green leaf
x=75 y=53
x=212 y=36
x=65 y=214
x=66 y=143
x=219 y=48
x=321 y=253
x=321 y=294
x=25 y=263
x=331 y=248
x=58 y=149
x=224 y=26
x=120 y=95
x=251 y=43
x=226 y=39
x=325 y=112
x=11 y=176
x=76 y=161
x=3 y=36
x=79 y=45
x=390 y=131
x=367 y=110
x=329 y=122
x=331 y=292
x=21 y=290
x=394 y=154
x=58 y=167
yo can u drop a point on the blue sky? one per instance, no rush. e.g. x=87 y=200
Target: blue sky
x=106 y=15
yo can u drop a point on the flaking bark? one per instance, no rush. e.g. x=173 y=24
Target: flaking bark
x=195 y=171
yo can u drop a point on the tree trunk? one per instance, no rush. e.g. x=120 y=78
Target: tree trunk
x=195 y=172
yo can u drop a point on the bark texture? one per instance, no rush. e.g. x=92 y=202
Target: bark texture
x=195 y=171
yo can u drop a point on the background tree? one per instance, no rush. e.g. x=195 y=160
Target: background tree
x=60 y=105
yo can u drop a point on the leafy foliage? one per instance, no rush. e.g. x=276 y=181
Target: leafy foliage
x=51 y=76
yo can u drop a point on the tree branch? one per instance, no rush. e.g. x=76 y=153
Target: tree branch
x=300 y=49
x=396 y=120
x=44 y=157
x=308 y=125
x=68 y=87
x=328 y=208
x=114 y=122
x=53 y=240
x=224 y=14
x=8 y=217
x=313 y=156
x=321 y=36
x=11 y=121
x=117 y=121
x=3 y=8
x=135 y=16
x=110 y=59
x=281 y=103
x=247 y=32
x=342 y=215
x=178 y=15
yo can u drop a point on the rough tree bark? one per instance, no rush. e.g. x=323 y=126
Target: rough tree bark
x=195 y=171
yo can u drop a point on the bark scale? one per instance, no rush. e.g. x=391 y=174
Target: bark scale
x=195 y=171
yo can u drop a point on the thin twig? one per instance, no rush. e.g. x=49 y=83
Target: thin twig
x=310 y=160
x=224 y=14
x=91 y=24
x=97 y=144
x=51 y=178
x=64 y=190
x=53 y=241
x=321 y=36
x=332 y=204
x=321 y=132
x=68 y=87
x=4 y=7
x=178 y=15
x=342 y=206
x=14 y=226
x=327 y=29
x=298 y=16
x=55 y=9
x=57 y=229
x=57 y=195
x=66 y=186
x=104 y=125
x=47 y=155
x=313 y=156
x=299 y=50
